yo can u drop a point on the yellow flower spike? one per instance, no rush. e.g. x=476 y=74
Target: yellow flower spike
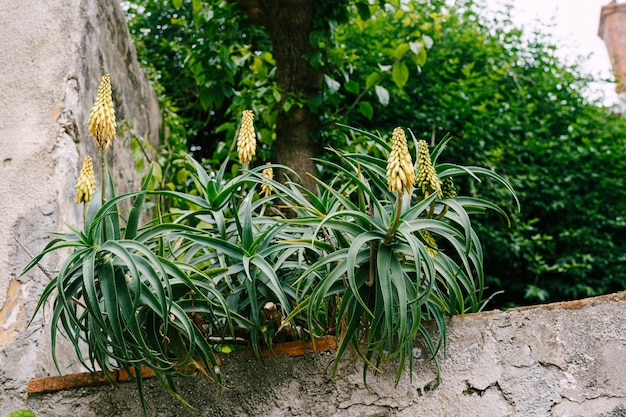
x=268 y=173
x=101 y=123
x=246 y=141
x=431 y=245
x=400 y=172
x=427 y=178
x=86 y=183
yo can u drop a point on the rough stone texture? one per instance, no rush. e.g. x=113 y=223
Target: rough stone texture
x=558 y=360
x=52 y=55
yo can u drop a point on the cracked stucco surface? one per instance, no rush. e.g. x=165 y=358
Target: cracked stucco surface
x=558 y=360
x=52 y=55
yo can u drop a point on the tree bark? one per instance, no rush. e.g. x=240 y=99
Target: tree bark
x=289 y=24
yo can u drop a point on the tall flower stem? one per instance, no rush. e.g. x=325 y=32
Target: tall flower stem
x=101 y=124
x=396 y=220
x=103 y=167
x=85 y=185
x=400 y=175
x=246 y=140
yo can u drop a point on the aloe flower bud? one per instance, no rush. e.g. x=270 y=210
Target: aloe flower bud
x=86 y=183
x=268 y=173
x=400 y=172
x=101 y=123
x=246 y=142
x=427 y=178
x=448 y=190
x=431 y=246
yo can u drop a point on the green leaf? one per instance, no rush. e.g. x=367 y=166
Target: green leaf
x=210 y=96
x=359 y=247
x=269 y=278
x=372 y=79
x=277 y=95
x=385 y=282
x=420 y=58
x=315 y=102
x=366 y=109
x=247 y=226
x=157 y=176
x=133 y=218
x=401 y=49
x=111 y=304
x=137 y=153
x=364 y=10
x=400 y=74
x=177 y=3
x=352 y=87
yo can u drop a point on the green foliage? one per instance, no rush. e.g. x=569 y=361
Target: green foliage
x=367 y=65
x=514 y=107
x=376 y=277
x=236 y=266
x=122 y=294
x=502 y=92
x=212 y=64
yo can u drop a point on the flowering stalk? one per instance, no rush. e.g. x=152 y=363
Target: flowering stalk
x=246 y=141
x=427 y=179
x=101 y=124
x=400 y=174
x=448 y=190
x=266 y=188
x=86 y=183
x=431 y=244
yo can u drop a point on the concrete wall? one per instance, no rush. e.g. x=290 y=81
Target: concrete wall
x=558 y=360
x=52 y=55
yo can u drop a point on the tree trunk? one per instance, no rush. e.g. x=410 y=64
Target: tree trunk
x=289 y=24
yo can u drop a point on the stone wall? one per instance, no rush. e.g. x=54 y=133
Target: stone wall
x=557 y=360
x=52 y=56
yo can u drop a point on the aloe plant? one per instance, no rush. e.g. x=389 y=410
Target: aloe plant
x=130 y=305
x=390 y=257
x=380 y=248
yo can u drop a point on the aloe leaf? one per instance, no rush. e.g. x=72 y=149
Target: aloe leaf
x=111 y=304
x=384 y=282
x=369 y=135
x=135 y=212
x=352 y=257
x=270 y=279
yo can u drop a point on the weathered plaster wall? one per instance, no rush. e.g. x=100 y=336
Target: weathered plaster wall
x=52 y=55
x=559 y=360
